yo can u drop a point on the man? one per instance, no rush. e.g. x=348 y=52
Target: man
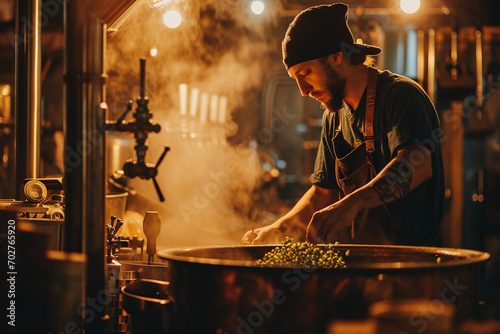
x=378 y=176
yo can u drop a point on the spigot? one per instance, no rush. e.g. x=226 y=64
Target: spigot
x=114 y=242
x=140 y=127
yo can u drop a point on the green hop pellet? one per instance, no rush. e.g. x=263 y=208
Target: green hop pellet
x=302 y=254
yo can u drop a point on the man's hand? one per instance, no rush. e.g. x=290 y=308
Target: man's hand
x=403 y=174
x=326 y=222
x=293 y=224
x=271 y=234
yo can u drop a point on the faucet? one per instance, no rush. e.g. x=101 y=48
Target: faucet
x=140 y=127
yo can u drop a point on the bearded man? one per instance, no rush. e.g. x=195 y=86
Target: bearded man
x=378 y=176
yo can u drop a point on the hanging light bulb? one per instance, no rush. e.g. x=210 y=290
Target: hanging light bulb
x=409 y=6
x=257 y=7
x=172 y=19
x=154 y=51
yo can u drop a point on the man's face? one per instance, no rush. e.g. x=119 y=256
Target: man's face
x=321 y=81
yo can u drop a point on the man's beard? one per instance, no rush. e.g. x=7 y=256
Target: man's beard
x=335 y=86
x=337 y=92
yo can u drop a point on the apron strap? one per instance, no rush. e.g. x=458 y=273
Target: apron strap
x=370 y=109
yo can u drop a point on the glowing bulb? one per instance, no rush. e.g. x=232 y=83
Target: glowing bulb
x=409 y=6
x=172 y=19
x=257 y=7
x=153 y=51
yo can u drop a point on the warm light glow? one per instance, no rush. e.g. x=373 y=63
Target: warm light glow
x=5 y=89
x=257 y=7
x=154 y=51
x=172 y=19
x=409 y=6
x=183 y=95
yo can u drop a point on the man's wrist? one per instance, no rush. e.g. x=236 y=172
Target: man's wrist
x=364 y=198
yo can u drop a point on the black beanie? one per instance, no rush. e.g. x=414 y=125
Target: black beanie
x=320 y=31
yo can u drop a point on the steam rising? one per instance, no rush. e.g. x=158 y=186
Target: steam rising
x=220 y=51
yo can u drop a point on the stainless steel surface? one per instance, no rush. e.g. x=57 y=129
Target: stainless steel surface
x=220 y=289
x=144 y=270
x=115 y=206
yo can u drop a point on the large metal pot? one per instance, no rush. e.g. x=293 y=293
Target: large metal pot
x=221 y=290
x=148 y=303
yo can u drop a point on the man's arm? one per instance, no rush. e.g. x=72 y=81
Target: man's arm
x=294 y=223
x=409 y=169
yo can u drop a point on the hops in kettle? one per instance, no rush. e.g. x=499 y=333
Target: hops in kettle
x=303 y=254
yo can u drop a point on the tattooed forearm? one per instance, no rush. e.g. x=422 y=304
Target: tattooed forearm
x=395 y=182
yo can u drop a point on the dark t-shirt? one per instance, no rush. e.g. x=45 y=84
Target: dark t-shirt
x=403 y=115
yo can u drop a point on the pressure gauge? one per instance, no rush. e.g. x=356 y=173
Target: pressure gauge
x=35 y=191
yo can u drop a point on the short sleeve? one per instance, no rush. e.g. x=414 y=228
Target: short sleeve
x=409 y=117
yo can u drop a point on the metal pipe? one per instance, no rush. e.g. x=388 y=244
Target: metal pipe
x=27 y=90
x=421 y=58
x=479 y=68
x=34 y=99
x=431 y=76
x=84 y=160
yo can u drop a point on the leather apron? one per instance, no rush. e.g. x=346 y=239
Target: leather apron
x=354 y=169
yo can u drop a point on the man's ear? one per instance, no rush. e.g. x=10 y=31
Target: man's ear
x=337 y=58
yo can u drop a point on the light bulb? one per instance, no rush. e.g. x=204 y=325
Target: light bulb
x=409 y=6
x=172 y=19
x=257 y=7
x=154 y=51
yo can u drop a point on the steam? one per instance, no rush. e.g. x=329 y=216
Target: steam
x=202 y=73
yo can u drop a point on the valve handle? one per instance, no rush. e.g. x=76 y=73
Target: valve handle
x=158 y=191
x=122 y=117
x=162 y=156
x=157 y=186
